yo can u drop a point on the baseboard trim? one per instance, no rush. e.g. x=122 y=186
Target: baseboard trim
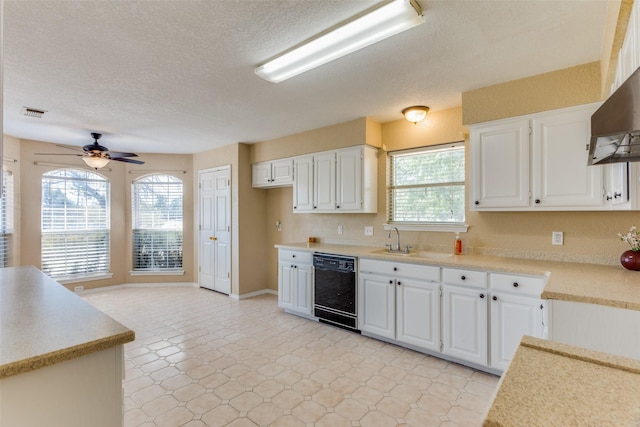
x=139 y=285
x=254 y=294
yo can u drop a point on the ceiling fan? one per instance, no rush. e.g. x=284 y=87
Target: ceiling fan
x=98 y=156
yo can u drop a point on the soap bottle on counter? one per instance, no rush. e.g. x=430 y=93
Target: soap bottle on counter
x=458 y=245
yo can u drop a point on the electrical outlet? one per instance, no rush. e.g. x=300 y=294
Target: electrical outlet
x=78 y=289
x=368 y=230
x=340 y=229
x=557 y=238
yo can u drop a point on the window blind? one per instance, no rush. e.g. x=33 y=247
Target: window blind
x=157 y=223
x=427 y=185
x=6 y=217
x=75 y=223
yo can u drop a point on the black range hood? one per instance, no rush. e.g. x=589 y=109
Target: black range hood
x=615 y=126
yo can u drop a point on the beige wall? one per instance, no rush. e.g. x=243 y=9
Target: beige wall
x=120 y=180
x=557 y=89
x=589 y=236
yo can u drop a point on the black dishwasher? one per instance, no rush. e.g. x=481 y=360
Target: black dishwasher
x=335 y=290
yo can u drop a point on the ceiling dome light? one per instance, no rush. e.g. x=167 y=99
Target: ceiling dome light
x=96 y=162
x=415 y=114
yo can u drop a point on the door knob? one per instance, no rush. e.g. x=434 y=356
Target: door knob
x=213 y=238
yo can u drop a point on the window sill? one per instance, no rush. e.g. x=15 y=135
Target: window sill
x=445 y=228
x=78 y=279
x=157 y=273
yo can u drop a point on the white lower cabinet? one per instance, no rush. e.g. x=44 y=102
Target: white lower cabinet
x=464 y=315
x=464 y=323
x=516 y=310
x=511 y=318
x=469 y=316
x=295 y=281
x=400 y=302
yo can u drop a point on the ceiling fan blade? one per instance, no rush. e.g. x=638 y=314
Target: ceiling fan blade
x=116 y=155
x=69 y=148
x=58 y=154
x=124 y=159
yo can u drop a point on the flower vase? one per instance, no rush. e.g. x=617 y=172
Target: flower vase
x=630 y=260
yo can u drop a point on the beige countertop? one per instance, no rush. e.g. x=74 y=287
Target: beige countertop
x=43 y=323
x=589 y=283
x=553 y=384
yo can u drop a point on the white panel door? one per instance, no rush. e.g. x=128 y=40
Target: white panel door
x=349 y=179
x=500 y=165
x=286 y=290
x=324 y=177
x=377 y=305
x=303 y=184
x=561 y=176
x=304 y=288
x=207 y=233
x=511 y=318
x=418 y=313
x=215 y=230
x=464 y=328
x=222 y=277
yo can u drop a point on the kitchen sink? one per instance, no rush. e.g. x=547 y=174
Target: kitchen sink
x=414 y=254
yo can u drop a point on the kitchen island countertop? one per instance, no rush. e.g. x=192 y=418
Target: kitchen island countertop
x=42 y=323
x=612 y=286
x=549 y=383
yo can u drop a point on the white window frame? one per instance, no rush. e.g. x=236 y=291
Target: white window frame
x=137 y=226
x=456 y=227
x=103 y=227
x=6 y=217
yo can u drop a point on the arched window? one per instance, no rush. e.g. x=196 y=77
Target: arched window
x=157 y=223
x=6 y=217
x=75 y=224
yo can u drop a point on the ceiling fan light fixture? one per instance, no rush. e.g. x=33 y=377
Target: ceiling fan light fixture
x=96 y=162
x=415 y=114
x=354 y=34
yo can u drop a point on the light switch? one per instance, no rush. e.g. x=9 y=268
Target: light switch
x=368 y=230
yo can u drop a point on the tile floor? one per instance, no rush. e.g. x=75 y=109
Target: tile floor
x=203 y=359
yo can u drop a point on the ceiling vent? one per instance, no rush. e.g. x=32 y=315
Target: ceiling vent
x=33 y=112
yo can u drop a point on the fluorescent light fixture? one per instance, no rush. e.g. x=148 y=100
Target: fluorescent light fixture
x=96 y=162
x=384 y=21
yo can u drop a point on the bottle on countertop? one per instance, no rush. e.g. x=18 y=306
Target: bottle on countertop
x=458 y=245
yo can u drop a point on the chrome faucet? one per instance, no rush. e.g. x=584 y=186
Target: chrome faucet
x=397 y=248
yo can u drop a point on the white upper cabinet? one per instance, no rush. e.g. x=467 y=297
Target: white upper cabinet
x=561 y=177
x=500 y=159
x=303 y=184
x=324 y=176
x=539 y=162
x=277 y=173
x=337 y=181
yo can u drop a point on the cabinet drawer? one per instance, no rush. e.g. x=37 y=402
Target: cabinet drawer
x=302 y=257
x=400 y=269
x=524 y=285
x=455 y=276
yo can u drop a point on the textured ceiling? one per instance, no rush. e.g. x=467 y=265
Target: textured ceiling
x=177 y=76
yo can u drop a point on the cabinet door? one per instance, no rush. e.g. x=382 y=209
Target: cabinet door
x=282 y=172
x=324 y=177
x=616 y=183
x=418 y=313
x=261 y=174
x=377 y=305
x=464 y=323
x=303 y=285
x=303 y=184
x=511 y=318
x=286 y=285
x=500 y=165
x=349 y=179
x=560 y=173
